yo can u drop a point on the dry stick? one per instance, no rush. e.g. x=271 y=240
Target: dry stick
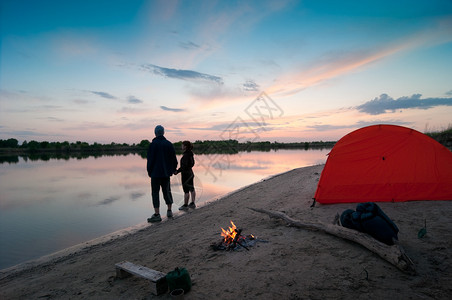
x=236 y=241
x=393 y=254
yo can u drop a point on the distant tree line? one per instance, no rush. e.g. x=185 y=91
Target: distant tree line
x=10 y=150
x=233 y=146
x=12 y=145
x=84 y=149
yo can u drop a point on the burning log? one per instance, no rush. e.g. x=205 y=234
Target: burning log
x=394 y=254
x=237 y=239
x=237 y=236
x=232 y=238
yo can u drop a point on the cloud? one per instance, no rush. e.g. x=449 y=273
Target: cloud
x=87 y=126
x=54 y=119
x=134 y=100
x=81 y=101
x=250 y=86
x=359 y=124
x=188 y=75
x=449 y=93
x=22 y=133
x=189 y=45
x=386 y=103
x=171 y=109
x=103 y=94
x=132 y=110
x=338 y=64
x=237 y=124
x=26 y=134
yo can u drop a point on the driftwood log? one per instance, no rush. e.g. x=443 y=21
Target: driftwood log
x=393 y=254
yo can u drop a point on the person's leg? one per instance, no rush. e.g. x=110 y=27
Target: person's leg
x=186 y=190
x=155 y=188
x=186 y=198
x=166 y=189
x=191 y=188
x=193 y=196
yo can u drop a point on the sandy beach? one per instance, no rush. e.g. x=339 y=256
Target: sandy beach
x=286 y=263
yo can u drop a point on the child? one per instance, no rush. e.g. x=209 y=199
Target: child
x=186 y=164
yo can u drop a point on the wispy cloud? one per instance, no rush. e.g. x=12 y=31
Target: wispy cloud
x=103 y=94
x=188 y=75
x=385 y=103
x=189 y=45
x=22 y=133
x=171 y=109
x=359 y=124
x=81 y=101
x=237 y=124
x=87 y=126
x=54 y=119
x=133 y=100
x=250 y=86
x=28 y=134
x=352 y=61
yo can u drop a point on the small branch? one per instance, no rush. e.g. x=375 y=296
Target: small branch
x=393 y=254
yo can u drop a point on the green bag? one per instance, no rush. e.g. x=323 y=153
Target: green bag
x=179 y=279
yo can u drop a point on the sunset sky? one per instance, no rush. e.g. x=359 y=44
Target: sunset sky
x=111 y=70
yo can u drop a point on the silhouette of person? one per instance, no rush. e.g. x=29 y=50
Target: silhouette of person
x=186 y=169
x=161 y=164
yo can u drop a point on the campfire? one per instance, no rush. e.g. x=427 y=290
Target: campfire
x=233 y=239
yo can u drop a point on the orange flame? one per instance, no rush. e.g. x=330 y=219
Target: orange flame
x=229 y=234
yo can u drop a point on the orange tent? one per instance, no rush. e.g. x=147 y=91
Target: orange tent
x=383 y=163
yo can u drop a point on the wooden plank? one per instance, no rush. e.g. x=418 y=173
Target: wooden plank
x=158 y=279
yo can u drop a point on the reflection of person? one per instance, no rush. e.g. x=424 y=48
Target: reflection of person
x=161 y=164
x=186 y=169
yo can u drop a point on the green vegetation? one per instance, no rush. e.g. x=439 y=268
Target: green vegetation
x=10 y=150
x=233 y=146
x=443 y=137
x=12 y=146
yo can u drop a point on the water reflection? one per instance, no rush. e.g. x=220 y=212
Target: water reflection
x=46 y=206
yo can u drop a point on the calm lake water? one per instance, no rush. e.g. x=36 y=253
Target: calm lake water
x=47 y=206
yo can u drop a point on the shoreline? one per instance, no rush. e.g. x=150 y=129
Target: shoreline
x=293 y=263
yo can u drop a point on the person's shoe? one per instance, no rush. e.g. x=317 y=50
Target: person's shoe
x=184 y=207
x=192 y=205
x=155 y=218
x=169 y=214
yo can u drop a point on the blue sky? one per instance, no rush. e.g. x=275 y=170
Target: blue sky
x=110 y=71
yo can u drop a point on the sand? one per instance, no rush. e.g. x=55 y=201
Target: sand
x=293 y=263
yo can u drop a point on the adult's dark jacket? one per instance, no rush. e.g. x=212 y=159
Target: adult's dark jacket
x=161 y=158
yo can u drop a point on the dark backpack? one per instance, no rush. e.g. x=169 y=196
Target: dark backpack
x=369 y=218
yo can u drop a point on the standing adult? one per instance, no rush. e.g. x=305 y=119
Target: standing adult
x=161 y=164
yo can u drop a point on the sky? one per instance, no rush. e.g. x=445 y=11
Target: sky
x=288 y=71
